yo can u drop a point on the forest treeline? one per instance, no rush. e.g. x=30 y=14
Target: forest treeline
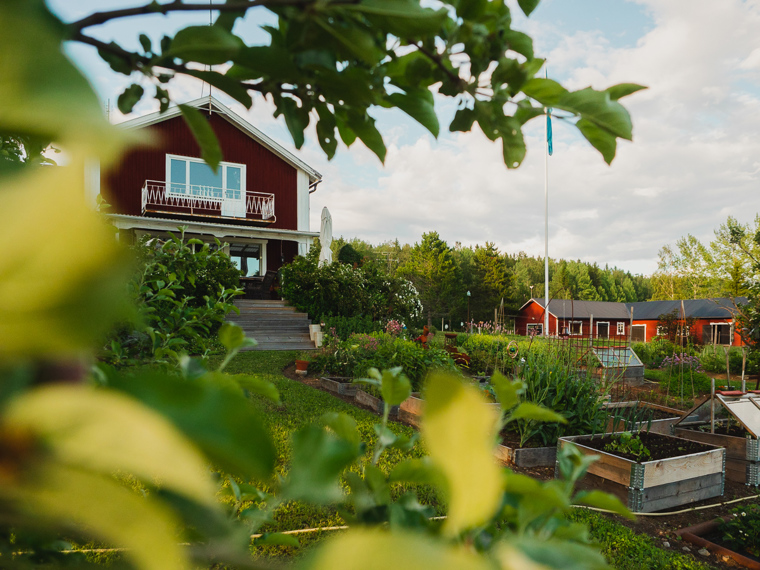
x=443 y=273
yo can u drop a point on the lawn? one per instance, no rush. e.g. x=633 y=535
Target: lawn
x=302 y=404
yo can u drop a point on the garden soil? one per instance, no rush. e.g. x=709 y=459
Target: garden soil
x=661 y=527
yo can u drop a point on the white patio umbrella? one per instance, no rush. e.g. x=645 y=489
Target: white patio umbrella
x=325 y=238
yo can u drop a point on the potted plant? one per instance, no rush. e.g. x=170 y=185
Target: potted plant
x=301 y=367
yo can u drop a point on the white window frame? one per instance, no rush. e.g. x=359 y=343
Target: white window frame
x=570 y=328
x=660 y=331
x=263 y=248
x=539 y=326
x=602 y=323
x=620 y=328
x=714 y=333
x=222 y=165
x=645 y=331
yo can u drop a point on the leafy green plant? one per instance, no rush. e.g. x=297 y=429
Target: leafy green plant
x=171 y=317
x=628 y=443
x=742 y=530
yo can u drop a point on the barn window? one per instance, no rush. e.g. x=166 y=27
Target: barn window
x=535 y=329
x=193 y=178
x=621 y=329
x=576 y=327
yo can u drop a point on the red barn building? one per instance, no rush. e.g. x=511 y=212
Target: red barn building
x=257 y=202
x=712 y=319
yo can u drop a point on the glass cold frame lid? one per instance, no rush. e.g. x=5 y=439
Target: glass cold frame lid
x=616 y=357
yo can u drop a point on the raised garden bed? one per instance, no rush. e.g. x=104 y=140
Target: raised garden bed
x=339 y=385
x=679 y=471
x=663 y=417
x=411 y=409
x=707 y=535
x=374 y=403
x=510 y=452
x=736 y=433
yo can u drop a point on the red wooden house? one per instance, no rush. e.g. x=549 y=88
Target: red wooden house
x=257 y=202
x=712 y=319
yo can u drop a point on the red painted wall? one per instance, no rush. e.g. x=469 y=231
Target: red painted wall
x=266 y=172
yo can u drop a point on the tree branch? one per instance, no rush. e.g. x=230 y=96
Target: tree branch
x=435 y=58
x=177 y=6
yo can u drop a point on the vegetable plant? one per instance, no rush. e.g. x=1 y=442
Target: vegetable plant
x=626 y=442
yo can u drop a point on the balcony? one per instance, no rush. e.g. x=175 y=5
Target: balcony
x=195 y=200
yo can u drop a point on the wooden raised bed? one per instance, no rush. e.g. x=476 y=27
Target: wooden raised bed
x=659 y=484
x=697 y=535
x=339 y=385
x=374 y=403
x=661 y=425
x=410 y=411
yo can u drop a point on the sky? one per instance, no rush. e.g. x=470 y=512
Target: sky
x=694 y=159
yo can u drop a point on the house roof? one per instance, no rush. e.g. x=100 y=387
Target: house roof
x=720 y=308
x=568 y=308
x=233 y=118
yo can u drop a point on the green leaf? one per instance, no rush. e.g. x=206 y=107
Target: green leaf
x=513 y=143
x=601 y=500
x=596 y=106
x=85 y=428
x=365 y=129
x=259 y=61
x=210 y=45
x=259 y=386
x=519 y=42
x=623 y=90
x=231 y=336
x=527 y=6
x=402 y=18
x=326 y=131
x=531 y=411
x=145 y=43
x=277 y=539
x=296 y=119
x=214 y=415
x=129 y=98
x=601 y=139
x=418 y=104
x=224 y=83
x=385 y=436
x=58 y=496
x=507 y=391
x=418 y=471
x=463 y=120
x=317 y=461
x=343 y=425
x=204 y=135
x=545 y=91
x=459 y=432
x=553 y=553
x=395 y=386
x=354 y=39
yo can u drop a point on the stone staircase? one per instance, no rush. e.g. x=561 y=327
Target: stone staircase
x=273 y=324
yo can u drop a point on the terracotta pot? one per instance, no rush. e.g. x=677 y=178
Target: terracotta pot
x=302 y=366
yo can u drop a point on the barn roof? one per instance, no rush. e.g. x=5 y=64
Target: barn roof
x=567 y=308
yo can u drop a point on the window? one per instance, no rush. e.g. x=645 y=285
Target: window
x=247 y=258
x=194 y=178
x=576 y=327
x=661 y=331
x=621 y=329
x=638 y=333
x=536 y=329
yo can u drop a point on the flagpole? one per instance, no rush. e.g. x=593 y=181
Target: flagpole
x=546 y=226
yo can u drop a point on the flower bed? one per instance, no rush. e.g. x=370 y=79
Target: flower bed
x=374 y=403
x=338 y=384
x=678 y=472
x=707 y=535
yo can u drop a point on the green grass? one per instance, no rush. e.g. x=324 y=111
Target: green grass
x=626 y=550
x=302 y=405
x=701 y=381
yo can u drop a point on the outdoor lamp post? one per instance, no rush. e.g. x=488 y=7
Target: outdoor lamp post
x=469 y=324
x=531 y=291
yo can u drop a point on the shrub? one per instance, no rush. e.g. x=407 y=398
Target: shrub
x=338 y=289
x=172 y=317
x=346 y=326
x=742 y=530
x=713 y=359
x=355 y=356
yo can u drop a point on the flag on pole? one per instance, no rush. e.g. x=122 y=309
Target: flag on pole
x=549 y=131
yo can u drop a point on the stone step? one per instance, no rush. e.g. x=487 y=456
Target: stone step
x=271 y=316
x=273 y=324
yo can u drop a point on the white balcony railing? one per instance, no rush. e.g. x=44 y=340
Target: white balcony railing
x=205 y=200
